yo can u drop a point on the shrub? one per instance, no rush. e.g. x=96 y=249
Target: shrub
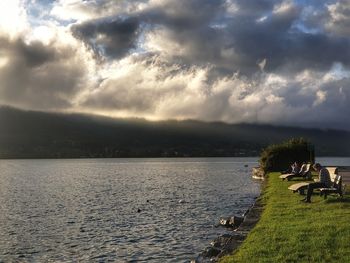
x=278 y=157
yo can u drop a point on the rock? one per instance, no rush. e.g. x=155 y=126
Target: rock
x=226 y=244
x=211 y=252
x=258 y=173
x=224 y=221
x=233 y=221
x=220 y=241
x=221 y=246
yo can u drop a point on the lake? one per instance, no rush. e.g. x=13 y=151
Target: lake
x=118 y=210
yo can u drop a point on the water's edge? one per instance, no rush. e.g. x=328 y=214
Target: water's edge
x=227 y=244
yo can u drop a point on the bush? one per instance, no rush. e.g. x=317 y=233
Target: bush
x=278 y=157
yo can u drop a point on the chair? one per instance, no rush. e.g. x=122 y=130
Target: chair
x=305 y=172
x=302 y=186
x=335 y=189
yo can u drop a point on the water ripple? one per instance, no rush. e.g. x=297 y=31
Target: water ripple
x=129 y=210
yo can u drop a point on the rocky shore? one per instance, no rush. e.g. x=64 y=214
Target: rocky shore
x=258 y=173
x=226 y=244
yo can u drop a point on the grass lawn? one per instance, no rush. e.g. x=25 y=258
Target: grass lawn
x=293 y=231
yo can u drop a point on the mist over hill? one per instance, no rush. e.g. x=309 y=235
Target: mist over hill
x=30 y=134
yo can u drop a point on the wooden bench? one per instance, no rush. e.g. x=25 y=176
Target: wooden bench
x=305 y=173
x=302 y=186
x=333 y=172
x=337 y=188
x=299 y=187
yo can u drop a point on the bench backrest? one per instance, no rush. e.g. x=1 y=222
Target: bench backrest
x=345 y=173
x=333 y=171
x=306 y=169
x=337 y=183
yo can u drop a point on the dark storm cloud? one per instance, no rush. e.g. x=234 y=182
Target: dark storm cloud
x=257 y=30
x=285 y=46
x=183 y=15
x=253 y=7
x=33 y=54
x=36 y=74
x=267 y=61
x=208 y=34
x=230 y=35
x=338 y=20
x=211 y=40
x=110 y=37
x=115 y=36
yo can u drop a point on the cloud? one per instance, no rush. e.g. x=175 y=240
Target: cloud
x=339 y=18
x=34 y=75
x=258 y=61
x=13 y=18
x=147 y=87
x=111 y=38
x=180 y=15
x=156 y=90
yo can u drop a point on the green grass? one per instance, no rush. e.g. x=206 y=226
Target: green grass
x=293 y=231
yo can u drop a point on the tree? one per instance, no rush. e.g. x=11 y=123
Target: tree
x=278 y=157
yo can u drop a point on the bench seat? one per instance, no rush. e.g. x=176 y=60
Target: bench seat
x=304 y=173
x=337 y=187
x=299 y=187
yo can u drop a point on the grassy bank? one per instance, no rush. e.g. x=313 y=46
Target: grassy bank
x=293 y=231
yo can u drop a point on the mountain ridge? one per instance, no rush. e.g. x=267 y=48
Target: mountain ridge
x=35 y=134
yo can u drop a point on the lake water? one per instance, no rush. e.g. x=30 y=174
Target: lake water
x=334 y=161
x=87 y=210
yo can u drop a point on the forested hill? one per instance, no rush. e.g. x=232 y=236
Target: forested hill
x=29 y=134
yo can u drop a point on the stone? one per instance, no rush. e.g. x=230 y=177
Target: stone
x=233 y=221
x=226 y=244
x=211 y=252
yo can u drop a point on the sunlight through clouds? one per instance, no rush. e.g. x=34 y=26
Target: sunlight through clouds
x=259 y=61
x=13 y=20
x=3 y=61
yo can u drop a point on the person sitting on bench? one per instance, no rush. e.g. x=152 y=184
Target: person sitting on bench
x=324 y=181
x=294 y=169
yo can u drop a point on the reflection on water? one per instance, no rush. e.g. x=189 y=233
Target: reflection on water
x=118 y=210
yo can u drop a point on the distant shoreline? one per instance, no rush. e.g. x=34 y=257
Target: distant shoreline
x=130 y=157
x=40 y=135
x=155 y=157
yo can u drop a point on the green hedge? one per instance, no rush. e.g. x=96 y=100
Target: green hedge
x=278 y=157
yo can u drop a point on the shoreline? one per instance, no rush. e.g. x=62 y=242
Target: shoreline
x=280 y=235
x=228 y=243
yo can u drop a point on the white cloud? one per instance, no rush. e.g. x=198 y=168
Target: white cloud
x=339 y=20
x=80 y=11
x=283 y=7
x=73 y=10
x=184 y=61
x=13 y=17
x=320 y=97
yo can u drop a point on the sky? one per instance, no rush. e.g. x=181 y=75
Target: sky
x=273 y=62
